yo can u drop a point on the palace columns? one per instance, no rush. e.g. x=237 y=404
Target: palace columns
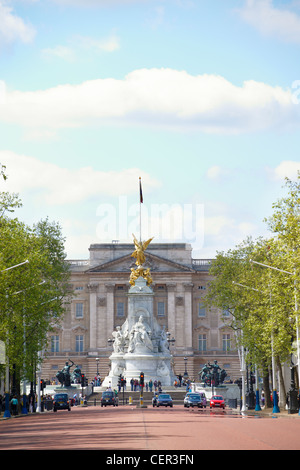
x=93 y=287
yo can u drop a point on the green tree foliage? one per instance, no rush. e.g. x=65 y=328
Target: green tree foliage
x=261 y=299
x=33 y=295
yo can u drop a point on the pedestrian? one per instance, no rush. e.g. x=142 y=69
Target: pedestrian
x=31 y=403
x=14 y=405
x=132 y=384
x=150 y=385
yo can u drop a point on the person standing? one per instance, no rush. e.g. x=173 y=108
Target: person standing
x=14 y=405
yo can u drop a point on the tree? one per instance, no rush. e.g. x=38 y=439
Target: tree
x=33 y=296
x=261 y=299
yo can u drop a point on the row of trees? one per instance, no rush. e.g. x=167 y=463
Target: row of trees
x=263 y=301
x=34 y=286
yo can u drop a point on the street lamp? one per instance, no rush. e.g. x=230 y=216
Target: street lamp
x=185 y=367
x=296 y=310
x=275 y=397
x=15 y=266
x=244 y=369
x=7 y=412
x=97 y=362
x=169 y=339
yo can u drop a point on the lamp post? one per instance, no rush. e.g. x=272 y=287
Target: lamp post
x=244 y=369
x=7 y=412
x=97 y=362
x=275 y=396
x=257 y=405
x=24 y=404
x=296 y=311
x=185 y=368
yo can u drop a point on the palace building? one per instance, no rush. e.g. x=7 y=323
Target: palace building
x=100 y=304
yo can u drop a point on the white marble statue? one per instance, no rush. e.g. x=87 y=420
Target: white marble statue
x=140 y=336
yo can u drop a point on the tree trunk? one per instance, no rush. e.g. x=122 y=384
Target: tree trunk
x=282 y=390
x=267 y=392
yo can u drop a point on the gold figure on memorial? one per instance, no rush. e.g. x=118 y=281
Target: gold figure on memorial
x=139 y=254
x=140 y=247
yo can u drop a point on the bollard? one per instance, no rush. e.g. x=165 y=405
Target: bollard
x=130 y=400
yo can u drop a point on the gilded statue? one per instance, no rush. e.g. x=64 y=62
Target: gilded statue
x=139 y=254
x=140 y=272
x=140 y=247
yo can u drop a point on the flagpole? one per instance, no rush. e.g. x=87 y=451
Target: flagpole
x=141 y=200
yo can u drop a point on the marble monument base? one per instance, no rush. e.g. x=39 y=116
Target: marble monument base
x=155 y=366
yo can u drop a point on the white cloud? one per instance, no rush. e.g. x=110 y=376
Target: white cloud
x=286 y=169
x=62 y=52
x=56 y=185
x=156 y=97
x=81 y=45
x=109 y=44
x=271 y=21
x=13 y=28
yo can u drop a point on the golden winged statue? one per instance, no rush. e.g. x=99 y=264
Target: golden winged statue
x=140 y=247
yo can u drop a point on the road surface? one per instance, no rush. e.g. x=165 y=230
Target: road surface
x=130 y=429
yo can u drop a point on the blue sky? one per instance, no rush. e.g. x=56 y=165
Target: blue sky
x=200 y=98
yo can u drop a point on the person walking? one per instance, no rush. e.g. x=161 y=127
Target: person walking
x=14 y=405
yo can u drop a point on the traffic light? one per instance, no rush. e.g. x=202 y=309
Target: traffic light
x=142 y=379
x=82 y=377
x=42 y=384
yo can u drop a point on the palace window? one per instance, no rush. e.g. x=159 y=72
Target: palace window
x=226 y=342
x=79 y=310
x=201 y=310
x=160 y=309
x=54 y=343
x=202 y=342
x=79 y=343
x=120 y=309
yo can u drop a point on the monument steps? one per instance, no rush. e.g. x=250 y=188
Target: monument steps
x=176 y=394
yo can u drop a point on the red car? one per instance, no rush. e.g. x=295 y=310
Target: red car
x=217 y=401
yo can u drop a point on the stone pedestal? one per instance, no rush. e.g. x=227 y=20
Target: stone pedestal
x=140 y=345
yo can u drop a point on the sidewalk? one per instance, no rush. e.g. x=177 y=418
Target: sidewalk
x=268 y=412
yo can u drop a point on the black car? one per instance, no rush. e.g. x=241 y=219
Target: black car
x=61 y=401
x=164 y=400
x=109 y=398
x=193 y=399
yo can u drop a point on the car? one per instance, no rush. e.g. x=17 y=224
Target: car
x=61 y=401
x=203 y=399
x=202 y=396
x=217 y=401
x=186 y=397
x=164 y=400
x=109 y=398
x=194 y=399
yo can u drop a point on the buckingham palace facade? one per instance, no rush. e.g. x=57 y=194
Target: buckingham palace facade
x=100 y=285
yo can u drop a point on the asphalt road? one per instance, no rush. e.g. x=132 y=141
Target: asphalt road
x=126 y=429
